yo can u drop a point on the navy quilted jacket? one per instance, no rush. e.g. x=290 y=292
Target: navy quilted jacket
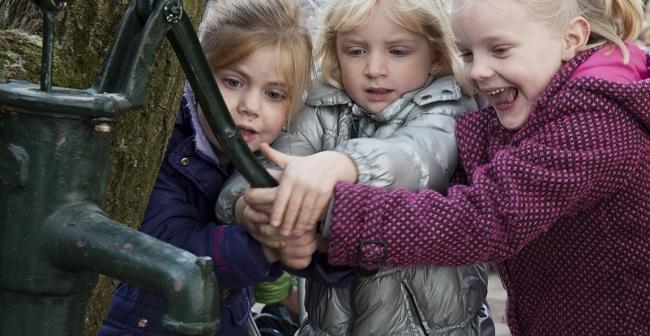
x=180 y=212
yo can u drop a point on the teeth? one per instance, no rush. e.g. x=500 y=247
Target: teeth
x=496 y=92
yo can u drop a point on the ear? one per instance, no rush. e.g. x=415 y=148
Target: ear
x=576 y=35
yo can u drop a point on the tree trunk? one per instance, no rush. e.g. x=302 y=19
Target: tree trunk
x=84 y=31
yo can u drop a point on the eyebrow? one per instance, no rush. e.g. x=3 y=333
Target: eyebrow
x=353 y=40
x=459 y=45
x=240 y=72
x=279 y=84
x=505 y=38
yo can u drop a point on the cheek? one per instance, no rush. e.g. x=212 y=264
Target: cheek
x=350 y=68
x=229 y=98
x=276 y=120
x=347 y=76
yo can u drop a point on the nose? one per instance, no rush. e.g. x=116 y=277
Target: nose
x=480 y=69
x=249 y=104
x=375 y=65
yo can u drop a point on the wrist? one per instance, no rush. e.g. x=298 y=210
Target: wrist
x=346 y=167
x=270 y=254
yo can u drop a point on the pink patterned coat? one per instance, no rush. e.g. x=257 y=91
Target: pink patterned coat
x=561 y=207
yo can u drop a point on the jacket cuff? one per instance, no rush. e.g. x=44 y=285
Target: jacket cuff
x=368 y=171
x=239 y=260
x=225 y=207
x=354 y=241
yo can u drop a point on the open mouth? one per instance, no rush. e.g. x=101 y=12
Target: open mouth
x=248 y=134
x=378 y=94
x=503 y=98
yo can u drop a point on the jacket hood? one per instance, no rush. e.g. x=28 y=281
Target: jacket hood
x=628 y=84
x=632 y=94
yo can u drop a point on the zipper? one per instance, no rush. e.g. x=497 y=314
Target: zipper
x=416 y=311
x=354 y=130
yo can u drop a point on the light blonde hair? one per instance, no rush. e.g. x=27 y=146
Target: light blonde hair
x=235 y=29
x=426 y=17
x=611 y=21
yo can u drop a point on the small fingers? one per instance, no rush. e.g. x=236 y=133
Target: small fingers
x=304 y=215
x=291 y=212
x=270 y=232
x=319 y=209
x=279 y=205
x=260 y=196
x=254 y=216
x=297 y=253
x=267 y=237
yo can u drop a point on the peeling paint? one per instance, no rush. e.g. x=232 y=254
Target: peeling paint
x=179 y=285
x=60 y=142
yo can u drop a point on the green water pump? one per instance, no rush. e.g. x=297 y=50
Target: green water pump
x=54 y=164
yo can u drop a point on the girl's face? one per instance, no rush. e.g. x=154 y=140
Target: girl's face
x=509 y=56
x=381 y=60
x=257 y=97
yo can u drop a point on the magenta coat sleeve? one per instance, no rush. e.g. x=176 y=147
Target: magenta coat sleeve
x=551 y=175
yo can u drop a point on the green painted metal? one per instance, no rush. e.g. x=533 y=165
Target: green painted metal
x=54 y=239
x=54 y=164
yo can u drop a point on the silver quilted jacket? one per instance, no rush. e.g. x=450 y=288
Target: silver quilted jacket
x=410 y=144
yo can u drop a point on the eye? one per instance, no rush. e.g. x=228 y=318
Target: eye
x=276 y=95
x=500 y=51
x=232 y=83
x=355 y=51
x=400 y=51
x=466 y=56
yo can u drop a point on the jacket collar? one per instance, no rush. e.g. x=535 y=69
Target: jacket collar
x=192 y=147
x=201 y=142
x=434 y=90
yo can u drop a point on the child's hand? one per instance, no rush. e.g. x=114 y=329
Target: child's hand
x=306 y=186
x=252 y=213
x=297 y=252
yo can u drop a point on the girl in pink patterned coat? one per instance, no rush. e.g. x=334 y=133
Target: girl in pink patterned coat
x=554 y=182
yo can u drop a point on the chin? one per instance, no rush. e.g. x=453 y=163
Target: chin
x=253 y=147
x=512 y=124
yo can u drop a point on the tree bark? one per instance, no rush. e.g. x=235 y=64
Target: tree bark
x=84 y=31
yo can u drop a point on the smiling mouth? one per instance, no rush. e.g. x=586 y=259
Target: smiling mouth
x=503 y=98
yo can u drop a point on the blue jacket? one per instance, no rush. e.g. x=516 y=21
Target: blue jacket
x=181 y=212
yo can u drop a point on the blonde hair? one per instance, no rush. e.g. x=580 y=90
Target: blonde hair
x=426 y=17
x=611 y=21
x=235 y=29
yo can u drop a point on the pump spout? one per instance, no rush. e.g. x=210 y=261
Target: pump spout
x=83 y=238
